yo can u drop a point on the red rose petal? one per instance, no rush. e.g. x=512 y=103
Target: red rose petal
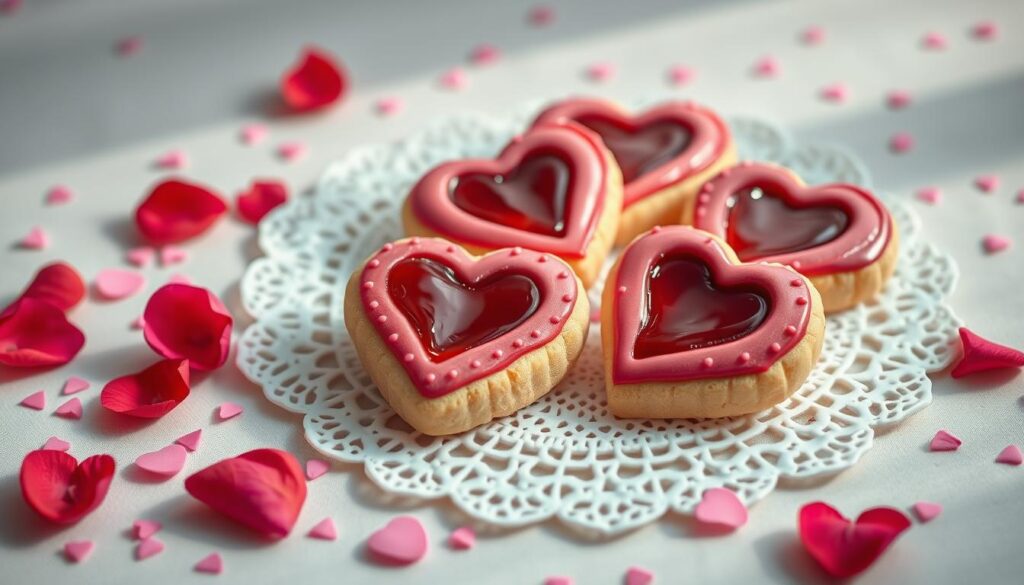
x=175 y=211
x=314 y=82
x=35 y=333
x=261 y=197
x=58 y=284
x=151 y=393
x=845 y=548
x=262 y=489
x=61 y=489
x=982 y=355
x=188 y=322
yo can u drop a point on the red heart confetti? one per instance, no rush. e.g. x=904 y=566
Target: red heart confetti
x=62 y=490
x=845 y=548
x=35 y=333
x=324 y=530
x=945 y=441
x=315 y=468
x=721 y=507
x=78 y=551
x=639 y=576
x=212 y=564
x=149 y=547
x=314 y=82
x=143 y=529
x=191 y=440
x=260 y=199
x=166 y=462
x=1010 y=455
x=927 y=511
x=150 y=393
x=982 y=355
x=74 y=385
x=402 y=541
x=56 y=444
x=72 y=409
x=188 y=322
x=116 y=284
x=463 y=538
x=176 y=210
x=262 y=489
x=35 y=401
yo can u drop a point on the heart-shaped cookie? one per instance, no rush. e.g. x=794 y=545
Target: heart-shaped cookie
x=665 y=153
x=554 y=189
x=688 y=331
x=839 y=235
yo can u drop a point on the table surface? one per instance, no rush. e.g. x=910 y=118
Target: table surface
x=73 y=112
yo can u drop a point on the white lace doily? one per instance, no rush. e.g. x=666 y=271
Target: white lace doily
x=565 y=456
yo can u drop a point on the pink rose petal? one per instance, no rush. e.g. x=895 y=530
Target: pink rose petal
x=56 y=444
x=72 y=409
x=143 y=529
x=767 y=66
x=147 y=548
x=945 y=441
x=454 y=79
x=228 y=410
x=315 y=468
x=324 y=530
x=172 y=160
x=172 y=255
x=74 y=385
x=541 y=15
x=59 y=195
x=115 y=284
x=836 y=93
x=680 y=74
x=78 y=551
x=389 y=106
x=721 y=506
x=993 y=243
x=35 y=401
x=987 y=183
x=1010 y=455
x=141 y=257
x=165 y=462
x=813 y=35
x=985 y=30
x=211 y=563
x=402 y=541
x=982 y=355
x=901 y=142
x=253 y=134
x=292 y=151
x=927 y=511
x=484 y=54
x=191 y=440
x=463 y=538
x=601 y=71
x=128 y=46
x=930 y=195
x=37 y=239
x=898 y=99
x=559 y=580
x=934 y=41
x=639 y=576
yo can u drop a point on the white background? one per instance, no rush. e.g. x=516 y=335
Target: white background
x=72 y=112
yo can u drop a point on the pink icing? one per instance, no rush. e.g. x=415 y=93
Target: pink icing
x=868 y=229
x=709 y=136
x=789 y=311
x=554 y=280
x=432 y=204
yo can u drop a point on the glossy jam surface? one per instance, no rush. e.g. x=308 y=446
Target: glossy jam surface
x=761 y=224
x=685 y=310
x=534 y=197
x=644 y=150
x=451 y=316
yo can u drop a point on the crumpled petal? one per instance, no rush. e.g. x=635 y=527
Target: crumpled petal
x=262 y=489
x=61 y=489
x=314 y=82
x=58 y=284
x=845 y=548
x=150 y=393
x=260 y=199
x=982 y=355
x=176 y=210
x=35 y=333
x=188 y=322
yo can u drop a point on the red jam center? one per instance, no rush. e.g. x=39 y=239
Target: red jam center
x=761 y=224
x=451 y=316
x=686 y=310
x=534 y=197
x=641 y=151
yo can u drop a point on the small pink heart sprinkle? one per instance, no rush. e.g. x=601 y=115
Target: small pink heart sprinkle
x=211 y=563
x=56 y=444
x=191 y=440
x=934 y=41
x=172 y=160
x=315 y=468
x=389 y=106
x=927 y=511
x=681 y=74
x=639 y=576
x=72 y=409
x=324 y=530
x=129 y=46
x=945 y=441
x=37 y=239
x=10 y=7
x=253 y=134
x=179 y=278
x=115 y=284
x=767 y=66
x=541 y=15
x=402 y=541
x=454 y=79
x=228 y=410
x=1010 y=455
x=836 y=92
x=74 y=385
x=985 y=30
x=143 y=529
x=139 y=323
x=559 y=580
x=901 y=142
x=601 y=71
x=78 y=551
x=898 y=99
x=484 y=54
x=141 y=257
x=35 y=401
x=165 y=462
x=172 y=255
x=987 y=183
x=720 y=506
x=813 y=35
x=292 y=151
x=930 y=195
x=148 y=547
x=993 y=243
x=59 y=195
x=463 y=538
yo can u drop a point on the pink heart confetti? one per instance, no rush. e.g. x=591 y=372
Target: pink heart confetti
x=934 y=41
x=389 y=106
x=191 y=440
x=35 y=401
x=115 y=284
x=141 y=257
x=253 y=134
x=721 y=507
x=59 y=195
x=315 y=468
x=484 y=54
x=680 y=75
x=139 y=323
x=945 y=441
x=37 y=239
x=987 y=183
x=982 y=355
x=985 y=30
x=813 y=35
x=927 y=511
x=901 y=142
x=74 y=385
x=78 y=551
x=402 y=541
x=898 y=99
x=147 y=548
x=56 y=444
x=463 y=538
x=143 y=529
x=170 y=255
x=541 y=15
x=767 y=66
x=324 y=530
x=601 y=71
x=292 y=151
x=559 y=580
x=639 y=576
x=454 y=79
x=10 y=7
x=72 y=409
x=228 y=410
x=930 y=195
x=211 y=563
x=172 y=160
x=993 y=243
x=836 y=93
x=1020 y=196
x=165 y=462
x=1010 y=455
x=179 y=278
x=128 y=46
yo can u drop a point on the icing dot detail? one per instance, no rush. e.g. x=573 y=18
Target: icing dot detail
x=542 y=259
x=368 y=284
x=497 y=353
x=517 y=343
x=622 y=290
x=373 y=263
x=450 y=249
x=414 y=241
x=554 y=319
x=535 y=333
x=655 y=229
x=790 y=331
x=474 y=364
x=801 y=301
x=708 y=362
x=382 y=318
x=374 y=304
x=796 y=282
x=393 y=337
x=516 y=251
x=387 y=247
x=744 y=358
x=567 y=298
x=429 y=378
x=563 y=275
x=774 y=348
x=452 y=374
x=408 y=357
x=796 y=264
